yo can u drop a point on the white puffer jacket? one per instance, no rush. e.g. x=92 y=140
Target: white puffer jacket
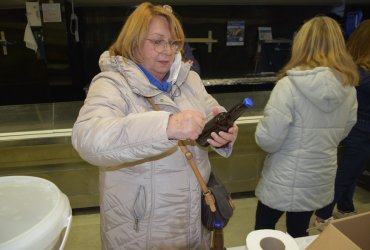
x=309 y=112
x=149 y=196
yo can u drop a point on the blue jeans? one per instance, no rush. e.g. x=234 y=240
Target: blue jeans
x=296 y=222
x=352 y=159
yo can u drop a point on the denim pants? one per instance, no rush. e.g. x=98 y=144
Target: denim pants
x=296 y=222
x=352 y=160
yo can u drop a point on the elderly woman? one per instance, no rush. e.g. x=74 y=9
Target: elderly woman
x=149 y=196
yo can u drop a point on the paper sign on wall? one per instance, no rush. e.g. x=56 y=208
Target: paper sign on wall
x=33 y=13
x=51 y=13
x=264 y=33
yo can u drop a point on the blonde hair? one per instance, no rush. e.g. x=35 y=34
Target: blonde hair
x=133 y=34
x=320 y=43
x=358 y=45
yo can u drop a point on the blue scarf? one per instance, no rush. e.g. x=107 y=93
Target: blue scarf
x=164 y=86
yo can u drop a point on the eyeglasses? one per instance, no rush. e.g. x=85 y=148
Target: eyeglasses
x=160 y=45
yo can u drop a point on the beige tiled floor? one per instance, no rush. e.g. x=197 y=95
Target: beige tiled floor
x=84 y=233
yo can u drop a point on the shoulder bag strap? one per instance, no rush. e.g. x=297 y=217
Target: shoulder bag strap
x=208 y=196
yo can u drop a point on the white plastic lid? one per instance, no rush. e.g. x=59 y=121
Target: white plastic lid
x=33 y=212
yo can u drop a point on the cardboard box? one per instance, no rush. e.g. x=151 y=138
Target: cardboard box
x=351 y=233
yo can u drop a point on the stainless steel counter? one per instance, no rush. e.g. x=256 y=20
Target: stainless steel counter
x=253 y=80
x=35 y=140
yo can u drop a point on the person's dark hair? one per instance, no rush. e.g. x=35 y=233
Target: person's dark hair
x=358 y=45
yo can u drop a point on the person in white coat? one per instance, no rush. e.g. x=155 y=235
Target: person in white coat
x=149 y=195
x=311 y=109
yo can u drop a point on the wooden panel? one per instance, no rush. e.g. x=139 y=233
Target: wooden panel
x=57 y=163
x=240 y=172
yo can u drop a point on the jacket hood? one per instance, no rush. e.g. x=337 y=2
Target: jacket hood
x=109 y=63
x=177 y=75
x=321 y=86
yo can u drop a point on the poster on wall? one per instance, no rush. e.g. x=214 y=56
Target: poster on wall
x=51 y=12
x=264 y=33
x=235 y=33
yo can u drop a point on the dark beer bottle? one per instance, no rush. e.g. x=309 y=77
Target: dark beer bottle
x=223 y=121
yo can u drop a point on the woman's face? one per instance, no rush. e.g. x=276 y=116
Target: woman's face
x=155 y=58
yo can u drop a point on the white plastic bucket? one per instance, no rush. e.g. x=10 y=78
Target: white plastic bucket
x=34 y=214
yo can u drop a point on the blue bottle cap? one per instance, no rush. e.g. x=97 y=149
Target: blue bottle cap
x=248 y=102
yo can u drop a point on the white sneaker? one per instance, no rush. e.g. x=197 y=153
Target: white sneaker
x=339 y=214
x=320 y=224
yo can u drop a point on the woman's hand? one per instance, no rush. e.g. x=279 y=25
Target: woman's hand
x=222 y=138
x=185 y=125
